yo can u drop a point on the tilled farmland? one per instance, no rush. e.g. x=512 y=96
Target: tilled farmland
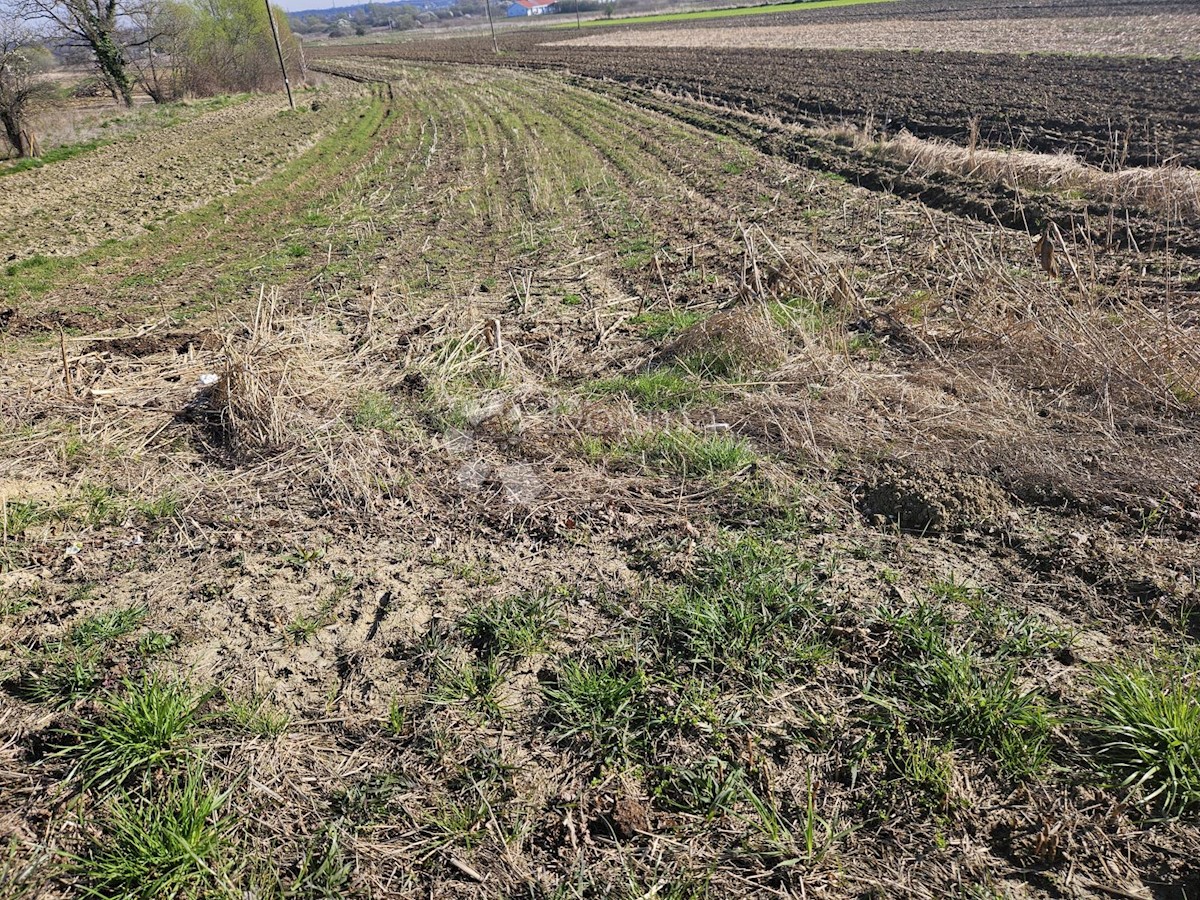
x=511 y=482
x=1108 y=110
x=1133 y=35
x=121 y=189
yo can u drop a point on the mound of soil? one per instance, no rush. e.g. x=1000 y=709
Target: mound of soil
x=931 y=501
x=143 y=345
x=733 y=341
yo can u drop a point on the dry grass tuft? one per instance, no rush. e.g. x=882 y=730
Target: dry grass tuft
x=1171 y=190
x=277 y=384
x=285 y=405
x=250 y=401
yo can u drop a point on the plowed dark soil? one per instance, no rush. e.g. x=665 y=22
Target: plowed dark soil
x=1106 y=110
x=966 y=11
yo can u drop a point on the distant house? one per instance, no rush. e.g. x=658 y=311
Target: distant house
x=530 y=7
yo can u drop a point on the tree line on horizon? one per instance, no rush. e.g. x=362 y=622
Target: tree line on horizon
x=365 y=18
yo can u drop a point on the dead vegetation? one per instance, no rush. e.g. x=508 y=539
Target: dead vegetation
x=1170 y=191
x=704 y=527
x=275 y=385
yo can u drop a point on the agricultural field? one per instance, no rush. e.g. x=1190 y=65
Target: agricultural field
x=1123 y=110
x=1132 y=35
x=181 y=167
x=500 y=478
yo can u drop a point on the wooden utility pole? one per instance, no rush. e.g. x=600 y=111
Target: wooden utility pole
x=303 y=61
x=492 y=25
x=578 y=21
x=279 y=49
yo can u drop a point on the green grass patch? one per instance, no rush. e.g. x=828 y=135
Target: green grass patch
x=21 y=515
x=59 y=675
x=156 y=509
x=155 y=643
x=64 y=671
x=94 y=505
x=747 y=610
x=996 y=627
x=1146 y=730
x=171 y=844
x=602 y=703
x=143 y=727
x=662 y=389
x=98 y=505
x=106 y=626
x=992 y=711
x=941 y=680
x=14 y=604
x=58 y=154
x=472 y=684
x=617 y=709
x=325 y=871
x=516 y=626
x=660 y=325
x=678 y=452
x=636 y=252
x=713 y=365
x=375 y=412
x=255 y=715
x=726 y=13
x=32 y=276
x=708 y=787
x=923 y=767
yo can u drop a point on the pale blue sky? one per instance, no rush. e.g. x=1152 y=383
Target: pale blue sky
x=294 y=5
x=290 y=5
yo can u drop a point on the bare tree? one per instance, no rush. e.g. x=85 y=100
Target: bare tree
x=20 y=90
x=159 y=53
x=96 y=25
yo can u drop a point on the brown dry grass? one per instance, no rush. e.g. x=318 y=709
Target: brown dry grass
x=1170 y=191
x=279 y=382
x=1107 y=377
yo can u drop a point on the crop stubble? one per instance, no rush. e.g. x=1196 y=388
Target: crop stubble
x=481 y=258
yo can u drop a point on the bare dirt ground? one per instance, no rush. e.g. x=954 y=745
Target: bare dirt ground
x=969 y=11
x=1148 y=35
x=540 y=486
